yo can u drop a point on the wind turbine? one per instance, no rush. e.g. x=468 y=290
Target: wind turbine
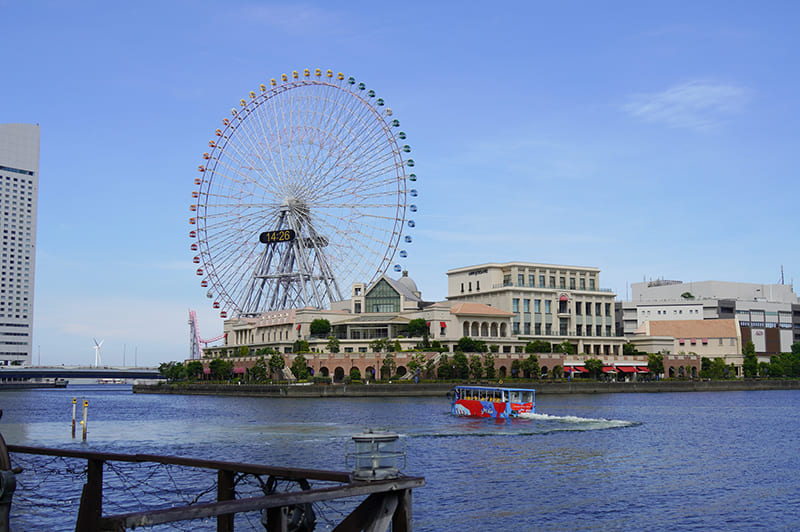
x=97 y=360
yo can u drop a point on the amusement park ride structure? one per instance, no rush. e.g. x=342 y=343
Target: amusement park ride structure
x=195 y=353
x=303 y=191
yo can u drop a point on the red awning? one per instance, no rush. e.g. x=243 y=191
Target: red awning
x=443 y=325
x=238 y=370
x=563 y=298
x=579 y=369
x=298 y=326
x=643 y=369
x=609 y=369
x=627 y=369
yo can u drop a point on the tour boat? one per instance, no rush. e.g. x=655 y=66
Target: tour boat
x=485 y=401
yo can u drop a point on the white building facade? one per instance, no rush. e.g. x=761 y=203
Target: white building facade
x=768 y=314
x=19 y=186
x=552 y=303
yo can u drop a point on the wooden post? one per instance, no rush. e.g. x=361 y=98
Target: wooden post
x=85 y=417
x=225 y=492
x=91 y=508
x=401 y=520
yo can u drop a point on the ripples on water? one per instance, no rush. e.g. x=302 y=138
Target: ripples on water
x=685 y=461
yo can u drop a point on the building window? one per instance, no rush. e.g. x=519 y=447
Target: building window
x=537 y=328
x=547 y=306
x=515 y=327
x=608 y=309
x=562 y=307
x=537 y=306
x=357 y=307
x=572 y=283
x=552 y=281
x=583 y=284
x=541 y=281
x=530 y=280
x=520 y=279
x=382 y=298
x=578 y=308
x=548 y=329
x=526 y=327
x=588 y=309
x=598 y=308
x=562 y=282
x=526 y=306
x=562 y=326
x=591 y=284
x=470 y=286
x=579 y=330
x=598 y=330
x=608 y=330
x=477 y=285
x=462 y=288
x=348 y=349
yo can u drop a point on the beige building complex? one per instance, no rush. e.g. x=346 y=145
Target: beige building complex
x=547 y=302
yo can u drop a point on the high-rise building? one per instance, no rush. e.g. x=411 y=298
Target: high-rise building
x=19 y=187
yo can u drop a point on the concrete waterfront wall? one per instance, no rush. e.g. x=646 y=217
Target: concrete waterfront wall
x=433 y=390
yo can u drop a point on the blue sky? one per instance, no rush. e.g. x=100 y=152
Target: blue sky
x=646 y=139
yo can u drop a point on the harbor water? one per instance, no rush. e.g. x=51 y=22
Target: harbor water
x=678 y=461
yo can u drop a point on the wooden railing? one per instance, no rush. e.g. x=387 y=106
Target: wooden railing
x=387 y=502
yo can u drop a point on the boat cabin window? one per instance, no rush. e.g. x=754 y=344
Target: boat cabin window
x=516 y=397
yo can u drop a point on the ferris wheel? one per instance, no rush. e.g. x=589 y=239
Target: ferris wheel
x=305 y=189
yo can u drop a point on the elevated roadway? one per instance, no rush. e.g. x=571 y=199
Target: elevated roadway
x=78 y=372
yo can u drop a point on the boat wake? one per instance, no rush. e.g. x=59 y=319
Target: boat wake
x=580 y=423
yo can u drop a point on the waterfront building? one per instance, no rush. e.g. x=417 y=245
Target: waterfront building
x=768 y=315
x=19 y=186
x=717 y=338
x=552 y=303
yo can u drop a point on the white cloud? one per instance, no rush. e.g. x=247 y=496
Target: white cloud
x=695 y=105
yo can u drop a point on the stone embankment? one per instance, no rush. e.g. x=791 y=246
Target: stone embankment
x=432 y=390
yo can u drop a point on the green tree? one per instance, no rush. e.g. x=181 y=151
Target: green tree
x=276 y=365
x=397 y=347
x=705 y=368
x=494 y=348
x=445 y=369
x=259 y=373
x=243 y=351
x=220 y=369
x=488 y=366
x=516 y=368
x=763 y=369
x=172 y=371
x=655 y=363
x=628 y=349
x=718 y=369
x=388 y=366
x=475 y=366
x=750 y=364
x=538 y=346
x=460 y=366
x=300 y=346
x=194 y=369
x=566 y=348
x=530 y=366
x=416 y=363
x=333 y=344
x=417 y=327
x=594 y=366
x=468 y=345
x=300 y=368
x=355 y=374
x=430 y=366
x=776 y=368
x=558 y=372
x=378 y=344
x=320 y=328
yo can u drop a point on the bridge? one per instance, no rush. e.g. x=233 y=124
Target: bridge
x=78 y=372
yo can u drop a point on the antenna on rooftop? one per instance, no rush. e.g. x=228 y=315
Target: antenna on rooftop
x=782 y=274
